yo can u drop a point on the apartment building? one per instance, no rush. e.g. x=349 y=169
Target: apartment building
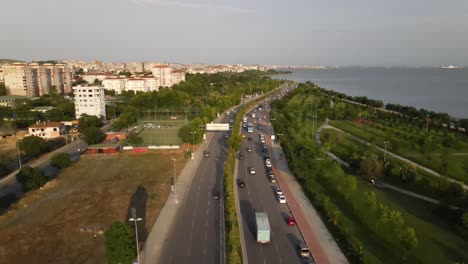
x=1 y=74
x=20 y=79
x=115 y=84
x=89 y=100
x=46 y=129
x=167 y=76
x=90 y=77
x=33 y=79
x=135 y=84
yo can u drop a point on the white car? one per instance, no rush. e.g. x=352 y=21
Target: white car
x=268 y=163
x=252 y=170
x=281 y=198
x=278 y=191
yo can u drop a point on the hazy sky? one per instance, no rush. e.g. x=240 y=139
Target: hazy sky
x=295 y=32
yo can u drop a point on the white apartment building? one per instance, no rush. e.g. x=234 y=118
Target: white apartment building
x=163 y=74
x=114 y=84
x=177 y=76
x=89 y=100
x=90 y=77
x=1 y=74
x=135 y=84
x=46 y=129
x=151 y=84
x=20 y=79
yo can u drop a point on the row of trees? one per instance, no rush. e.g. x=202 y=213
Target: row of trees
x=311 y=167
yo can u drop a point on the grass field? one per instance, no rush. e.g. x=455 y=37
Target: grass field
x=58 y=223
x=160 y=136
x=455 y=164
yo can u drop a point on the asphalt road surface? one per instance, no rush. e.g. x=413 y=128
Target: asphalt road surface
x=258 y=196
x=196 y=235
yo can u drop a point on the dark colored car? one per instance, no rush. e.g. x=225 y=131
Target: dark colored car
x=265 y=149
x=249 y=149
x=206 y=153
x=250 y=138
x=291 y=221
x=216 y=195
x=240 y=183
x=241 y=156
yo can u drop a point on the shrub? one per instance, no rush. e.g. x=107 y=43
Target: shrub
x=120 y=246
x=33 y=146
x=31 y=178
x=61 y=160
x=93 y=135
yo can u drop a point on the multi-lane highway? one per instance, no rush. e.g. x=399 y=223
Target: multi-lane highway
x=196 y=236
x=258 y=195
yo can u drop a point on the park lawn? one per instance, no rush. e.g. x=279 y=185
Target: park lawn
x=44 y=226
x=160 y=136
x=456 y=164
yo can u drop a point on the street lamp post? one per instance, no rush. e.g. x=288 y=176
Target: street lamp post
x=193 y=141
x=385 y=152
x=279 y=138
x=174 y=180
x=135 y=219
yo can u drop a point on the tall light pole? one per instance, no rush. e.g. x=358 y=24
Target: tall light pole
x=385 y=152
x=193 y=140
x=279 y=138
x=174 y=180
x=135 y=219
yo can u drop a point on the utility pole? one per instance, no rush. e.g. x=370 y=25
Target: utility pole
x=19 y=155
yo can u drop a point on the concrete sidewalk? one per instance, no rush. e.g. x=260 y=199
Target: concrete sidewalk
x=321 y=243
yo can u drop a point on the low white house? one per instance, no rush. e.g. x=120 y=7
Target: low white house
x=46 y=130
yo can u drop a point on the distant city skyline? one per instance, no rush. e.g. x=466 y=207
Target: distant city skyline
x=303 y=32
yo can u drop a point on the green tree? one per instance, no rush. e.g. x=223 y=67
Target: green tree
x=33 y=146
x=408 y=172
x=371 y=167
x=120 y=246
x=61 y=160
x=53 y=89
x=408 y=240
x=134 y=140
x=87 y=121
x=93 y=135
x=31 y=178
x=464 y=221
x=3 y=89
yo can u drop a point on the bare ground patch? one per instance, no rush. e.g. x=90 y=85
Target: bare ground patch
x=61 y=222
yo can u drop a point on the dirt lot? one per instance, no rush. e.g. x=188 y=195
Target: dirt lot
x=8 y=153
x=61 y=222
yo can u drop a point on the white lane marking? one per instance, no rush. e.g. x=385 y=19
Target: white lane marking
x=188 y=251
x=191 y=235
x=193 y=223
x=204 y=251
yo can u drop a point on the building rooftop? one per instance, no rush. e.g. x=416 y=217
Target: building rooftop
x=46 y=124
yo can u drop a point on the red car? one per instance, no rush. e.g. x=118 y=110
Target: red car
x=291 y=221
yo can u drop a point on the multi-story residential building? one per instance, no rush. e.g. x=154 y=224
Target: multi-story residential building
x=114 y=83
x=46 y=129
x=177 y=76
x=20 y=79
x=163 y=74
x=1 y=74
x=89 y=100
x=66 y=78
x=43 y=78
x=135 y=84
x=90 y=77
x=151 y=84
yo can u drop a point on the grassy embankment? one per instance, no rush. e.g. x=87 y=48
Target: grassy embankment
x=438 y=241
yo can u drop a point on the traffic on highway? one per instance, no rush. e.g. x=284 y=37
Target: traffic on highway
x=269 y=229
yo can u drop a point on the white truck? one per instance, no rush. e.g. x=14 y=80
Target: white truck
x=262 y=227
